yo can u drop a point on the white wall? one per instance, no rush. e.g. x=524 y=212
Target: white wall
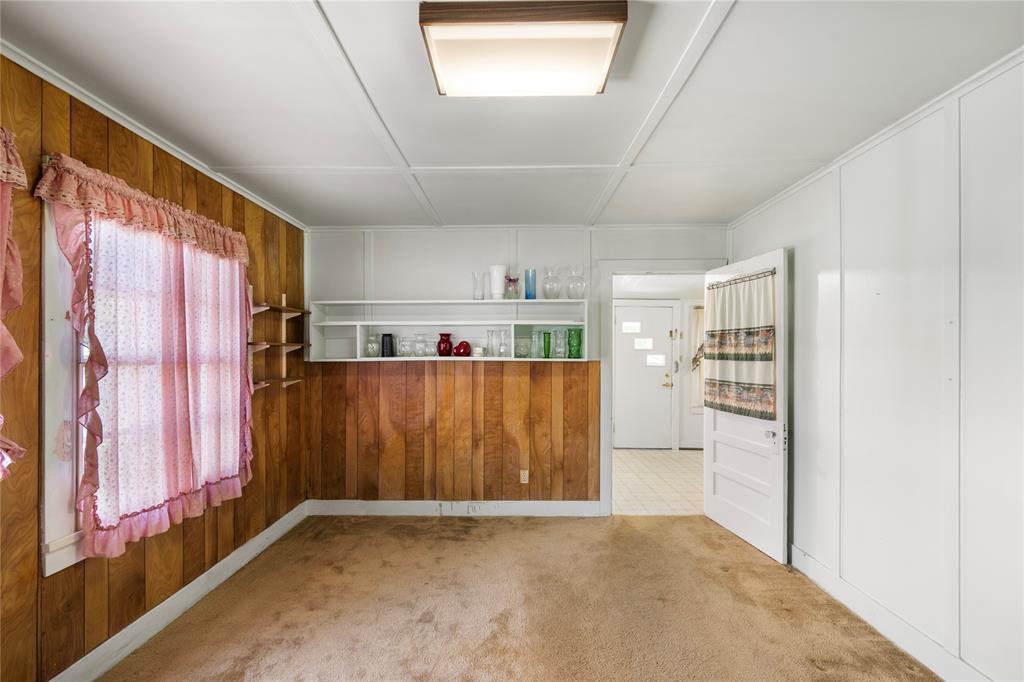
x=908 y=309
x=438 y=263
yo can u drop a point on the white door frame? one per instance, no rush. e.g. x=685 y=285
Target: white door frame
x=684 y=361
x=674 y=353
x=602 y=272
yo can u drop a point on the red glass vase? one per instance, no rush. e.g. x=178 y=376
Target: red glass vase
x=444 y=345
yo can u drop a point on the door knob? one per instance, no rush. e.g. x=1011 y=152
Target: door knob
x=769 y=434
x=667 y=384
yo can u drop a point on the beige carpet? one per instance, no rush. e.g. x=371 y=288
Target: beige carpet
x=619 y=598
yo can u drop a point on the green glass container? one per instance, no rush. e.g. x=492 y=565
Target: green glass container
x=547 y=344
x=575 y=343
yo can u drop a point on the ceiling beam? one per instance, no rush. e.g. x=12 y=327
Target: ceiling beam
x=312 y=15
x=701 y=39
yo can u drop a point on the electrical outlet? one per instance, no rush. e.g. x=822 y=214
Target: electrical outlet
x=524 y=475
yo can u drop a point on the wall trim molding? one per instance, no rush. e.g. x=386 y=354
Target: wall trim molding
x=111 y=652
x=27 y=61
x=994 y=70
x=680 y=227
x=442 y=508
x=930 y=653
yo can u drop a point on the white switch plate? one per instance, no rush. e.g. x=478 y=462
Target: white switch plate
x=524 y=475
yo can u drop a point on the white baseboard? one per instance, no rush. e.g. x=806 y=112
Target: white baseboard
x=901 y=633
x=107 y=655
x=414 y=508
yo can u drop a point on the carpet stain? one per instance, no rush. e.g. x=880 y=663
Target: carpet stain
x=619 y=598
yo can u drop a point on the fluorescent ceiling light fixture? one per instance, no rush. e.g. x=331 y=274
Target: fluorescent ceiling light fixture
x=521 y=49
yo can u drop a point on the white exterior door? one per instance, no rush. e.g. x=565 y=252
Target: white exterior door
x=645 y=409
x=746 y=463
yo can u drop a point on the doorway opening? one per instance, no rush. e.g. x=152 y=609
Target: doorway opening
x=657 y=394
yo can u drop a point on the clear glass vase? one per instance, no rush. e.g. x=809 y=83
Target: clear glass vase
x=537 y=345
x=576 y=283
x=503 y=343
x=373 y=346
x=558 y=350
x=552 y=286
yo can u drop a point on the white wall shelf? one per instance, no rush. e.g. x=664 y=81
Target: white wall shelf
x=339 y=329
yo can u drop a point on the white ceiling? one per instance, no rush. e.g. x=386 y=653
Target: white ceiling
x=329 y=111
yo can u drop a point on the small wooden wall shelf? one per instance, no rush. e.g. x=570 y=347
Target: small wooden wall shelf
x=278 y=343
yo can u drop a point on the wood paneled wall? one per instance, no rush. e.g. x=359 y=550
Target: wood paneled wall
x=440 y=430
x=47 y=624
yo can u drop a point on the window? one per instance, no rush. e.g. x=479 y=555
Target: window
x=157 y=297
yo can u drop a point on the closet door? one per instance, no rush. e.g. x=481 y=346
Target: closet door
x=899 y=376
x=992 y=152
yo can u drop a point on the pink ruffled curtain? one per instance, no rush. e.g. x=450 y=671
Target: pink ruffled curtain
x=12 y=176
x=161 y=302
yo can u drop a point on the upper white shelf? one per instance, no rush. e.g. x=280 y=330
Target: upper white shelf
x=465 y=301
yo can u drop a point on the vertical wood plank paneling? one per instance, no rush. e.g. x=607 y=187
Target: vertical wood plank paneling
x=414 y=407
x=444 y=448
x=351 y=432
x=368 y=467
x=493 y=431
x=226 y=511
x=89 y=145
x=430 y=430
x=130 y=158
x=164 y=563
x=516 y=423
x=574 y=431
x=540 y=431
x=314 y=425
x=62 y=603
x=334 y=407
x=62 y=624
x=254 y=494
x=557 y=420
x=272 y=397
x=193 y=530
x=462 y=437
x=593 y=430
x=392 y=431
x=478 y=430
x=297 y=443
x=238 y=504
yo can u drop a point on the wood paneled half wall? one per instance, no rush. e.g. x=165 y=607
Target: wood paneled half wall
x=454 y=430
x=46 y=624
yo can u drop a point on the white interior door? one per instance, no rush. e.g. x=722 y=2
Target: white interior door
x=745 y=459
x=644 y=409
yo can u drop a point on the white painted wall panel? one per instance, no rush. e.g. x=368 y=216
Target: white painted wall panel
x=335 y=265
x=899 y=438
x=651 y=243
x=992 y=148
x=807 y=222
x=433 y=263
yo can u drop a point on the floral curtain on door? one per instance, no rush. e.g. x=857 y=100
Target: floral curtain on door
x=161 y=303
x=12 y=177
x=739 y=345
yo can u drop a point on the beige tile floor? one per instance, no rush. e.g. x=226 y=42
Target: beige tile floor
x=657 y=482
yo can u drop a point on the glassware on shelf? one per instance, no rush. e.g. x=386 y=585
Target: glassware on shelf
x=420 y=347
x=405 y=346
x=479 y=280
x=373 y=346
x=503 y=343
x=575 y=283
x=552 y=283
x=498 y=273
x=492 y=343
x=387 y=346
x=522 y=347
x=536 y=345
x=444 y=344
x=547 y=344
x=511 y=287
x=575 y=343
x=530 y=275
x=558 y=350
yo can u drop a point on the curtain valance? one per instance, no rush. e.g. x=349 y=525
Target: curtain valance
x=12 y=176
x=70 y=182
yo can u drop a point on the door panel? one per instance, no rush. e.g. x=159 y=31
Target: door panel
x=745 y=459
x=643 y=401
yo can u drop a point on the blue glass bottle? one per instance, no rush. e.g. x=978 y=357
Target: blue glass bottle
x=531 y=283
